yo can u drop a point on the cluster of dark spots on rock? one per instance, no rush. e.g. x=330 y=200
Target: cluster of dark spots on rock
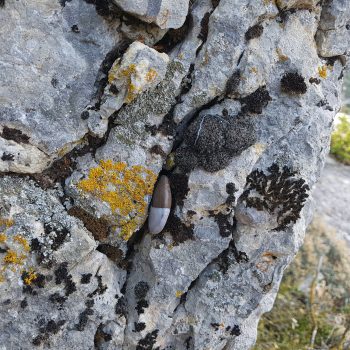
x=141 y=305
x=29 y=290
x=226 y=223
x=39 y=281
x=216 y=326
x=254 y=32
x=2 y=250
x=113 y=253
x=174 y=36
x=230 y=256
x=235 y=330
x=324 y=103
x=85 y=278
x=85 y=115
x=14 y=135
x=98 y=227
x=75 y=28
x=56 y=298
x=52 y=327
x=138 y=327
x=148 y=341
x=314 y=81
x=233 y=83
x=141 y=289
x=179 y=231
x=293 y=83
x=62 y=275
x=280 y=192
x=191 y=213
x=101 y=337
x=58 y=234
x=157 y=149
x=101 y=288
x=54 y=82
x=179 y=188
x=24 y=303
x=231 y=188
x=121 y=306
x=7 y=157
x=256 y=101
x=211 y=141
x=166 y=128
x=84 y=316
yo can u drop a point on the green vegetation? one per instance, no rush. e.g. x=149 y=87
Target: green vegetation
x=312 y=308
x=340 y=141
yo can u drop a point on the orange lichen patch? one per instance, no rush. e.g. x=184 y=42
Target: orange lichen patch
x=14 y=258
x=151 y=75
x=322 y=71
x=124 y=189
x=29 y=277
x=23 y=242
x=2 y=238
x=6 y=223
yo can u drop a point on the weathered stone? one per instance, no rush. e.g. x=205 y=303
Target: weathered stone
x=165 y=13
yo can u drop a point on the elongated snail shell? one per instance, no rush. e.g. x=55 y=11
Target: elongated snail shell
x=160 y=207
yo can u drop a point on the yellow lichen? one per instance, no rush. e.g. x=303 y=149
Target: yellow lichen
x=23 y=242
x=178 y=293
x=6 y=222
x=322 y=71
x=2 y=238
x=151 y=75
x=123 y=189
x=14 y=258
x=30 y=277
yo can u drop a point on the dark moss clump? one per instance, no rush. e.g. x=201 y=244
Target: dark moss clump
x=156 y=149
x=230 y=256
x=62 y=275
x=235 y=330
x=141 y=289
x=141 y=306
x=138 y=327
x=177 y=229
x=84 y=318
x=255 y=102
x=7 y=157
x=52 y=327
x=56 y=298
x=98 y=227
x=179 y=187
x=232 y=84
x=101 y=288
x=279 y=192
x=85 y=278
x=57 y=233
x=101 y=337
x=254 y=32
x=293 y=83
x=148 y=341
x=211 y=141
x=113 y=253
x=226 y=224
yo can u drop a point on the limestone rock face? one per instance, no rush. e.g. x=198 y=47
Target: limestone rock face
x=234 y=106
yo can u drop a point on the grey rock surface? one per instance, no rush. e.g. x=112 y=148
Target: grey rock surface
x=235 y=107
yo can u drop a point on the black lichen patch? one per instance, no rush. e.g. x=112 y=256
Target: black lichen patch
x=52 y=327
x=138 y=327
x=58 y=235
x=121 y=307
x=141 y=306
x=2 y=3
x=314 y=81
x=148 y=341
x=141 y=289
x=98 y=227
x=226 y=224
x=7 y=157
x=177 y=229
x=293 y=83
x=235 y=330
x=254 y=32
x=211 y=141
x=230 y=256
x=233 y=83
x=62 y=276
x=179 y=187
x=75 y=28
x=14 y=135
x=24 y=303
x=216 y=326
x=84 y=316
x=280 y=193
x=58 y=299
x=85 y=278
x=101 y=288
x=256 y=101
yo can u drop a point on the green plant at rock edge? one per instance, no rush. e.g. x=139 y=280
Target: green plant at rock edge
x=340 y=141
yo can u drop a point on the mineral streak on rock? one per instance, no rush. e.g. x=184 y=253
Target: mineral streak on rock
x=234 y=104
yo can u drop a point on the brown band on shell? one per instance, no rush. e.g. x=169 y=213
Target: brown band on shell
x=162 y=194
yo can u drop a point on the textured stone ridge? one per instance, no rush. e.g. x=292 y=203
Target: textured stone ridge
x=232 y=100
